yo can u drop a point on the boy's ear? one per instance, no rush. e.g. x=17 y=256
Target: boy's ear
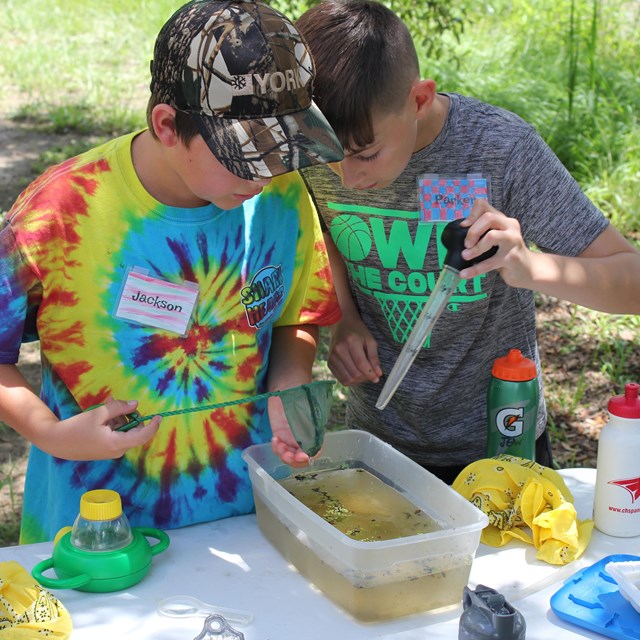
x=423 y=93
x=163 y=119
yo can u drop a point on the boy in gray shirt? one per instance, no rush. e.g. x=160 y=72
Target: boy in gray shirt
x=396 y=128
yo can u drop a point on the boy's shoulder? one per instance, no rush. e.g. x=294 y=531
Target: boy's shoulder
x=485 y=114
x=291 y=182
x=75 y=175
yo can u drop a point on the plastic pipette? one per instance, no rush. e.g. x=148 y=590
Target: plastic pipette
x=453 y=237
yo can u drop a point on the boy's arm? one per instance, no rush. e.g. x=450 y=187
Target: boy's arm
x=603 y=277
x=353 y=355
x=86 y=436
x=293 y=351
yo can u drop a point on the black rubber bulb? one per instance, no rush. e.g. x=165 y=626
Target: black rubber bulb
x=453 y=237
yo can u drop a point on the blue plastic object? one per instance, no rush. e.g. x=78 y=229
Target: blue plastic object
x=591 y=599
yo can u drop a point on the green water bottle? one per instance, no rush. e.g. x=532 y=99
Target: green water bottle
x=512 y=406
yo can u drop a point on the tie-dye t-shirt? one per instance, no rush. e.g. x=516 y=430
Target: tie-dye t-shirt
x=76 y=239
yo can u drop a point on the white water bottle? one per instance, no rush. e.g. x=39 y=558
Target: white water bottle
x=616 y=508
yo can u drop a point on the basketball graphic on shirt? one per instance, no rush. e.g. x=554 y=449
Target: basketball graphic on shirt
x=352 y=236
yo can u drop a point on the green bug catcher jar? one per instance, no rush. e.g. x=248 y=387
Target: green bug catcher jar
x=101 y=552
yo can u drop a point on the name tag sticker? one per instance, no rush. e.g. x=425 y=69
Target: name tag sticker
x=154 y=302
x=446 y=198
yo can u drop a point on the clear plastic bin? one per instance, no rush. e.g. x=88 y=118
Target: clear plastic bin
x=371 y=580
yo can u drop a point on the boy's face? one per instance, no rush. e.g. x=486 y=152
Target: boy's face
x=380 y=163
x=206 y=180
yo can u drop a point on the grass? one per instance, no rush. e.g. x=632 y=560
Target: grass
x=569 y=68
x=81 y=65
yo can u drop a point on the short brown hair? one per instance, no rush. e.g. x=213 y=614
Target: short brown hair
x=365 y=64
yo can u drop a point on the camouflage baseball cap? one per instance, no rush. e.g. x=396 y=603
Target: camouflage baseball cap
x=244 y=75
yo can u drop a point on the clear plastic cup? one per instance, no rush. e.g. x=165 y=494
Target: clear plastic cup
x=101 y=525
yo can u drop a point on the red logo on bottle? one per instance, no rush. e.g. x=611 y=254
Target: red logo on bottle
x=632 y=485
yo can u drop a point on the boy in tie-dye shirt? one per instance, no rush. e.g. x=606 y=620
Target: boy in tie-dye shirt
x=179 y=266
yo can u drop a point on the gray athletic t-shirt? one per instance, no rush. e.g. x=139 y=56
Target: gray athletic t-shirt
x=438 y=414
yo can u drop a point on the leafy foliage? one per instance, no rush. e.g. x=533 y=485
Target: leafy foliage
x=428 y=20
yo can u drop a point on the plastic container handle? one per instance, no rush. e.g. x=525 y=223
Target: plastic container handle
x=58 y=583
x=156 y=534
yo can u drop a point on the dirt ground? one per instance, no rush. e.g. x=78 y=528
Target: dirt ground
x=21 y=144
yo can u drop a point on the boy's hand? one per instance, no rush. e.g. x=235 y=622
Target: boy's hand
x=91 y=435
x=488 y=227
x=353 y=353
x=283 y=443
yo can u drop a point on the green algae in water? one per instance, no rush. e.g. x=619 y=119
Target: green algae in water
x=359 y=504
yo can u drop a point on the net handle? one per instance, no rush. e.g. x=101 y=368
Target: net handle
x=134 y=418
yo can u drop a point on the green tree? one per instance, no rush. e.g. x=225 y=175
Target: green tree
x=428 y=20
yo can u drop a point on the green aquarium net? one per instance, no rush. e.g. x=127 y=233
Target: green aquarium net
x=307 y=409
x=306 y=406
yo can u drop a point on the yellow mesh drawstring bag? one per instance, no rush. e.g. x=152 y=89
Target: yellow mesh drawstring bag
x=525 y=501
x=27 y=610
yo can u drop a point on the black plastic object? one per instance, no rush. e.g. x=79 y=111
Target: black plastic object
x=488 y=616
x=453 y=236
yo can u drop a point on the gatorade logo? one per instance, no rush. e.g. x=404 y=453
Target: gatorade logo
x=510 y=422
x=632 y=485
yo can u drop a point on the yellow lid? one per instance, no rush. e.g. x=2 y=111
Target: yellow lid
x=100 y=504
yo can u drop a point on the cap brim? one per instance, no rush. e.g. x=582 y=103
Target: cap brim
x=262 y=148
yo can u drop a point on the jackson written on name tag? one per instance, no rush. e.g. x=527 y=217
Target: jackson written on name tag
x=157 y=303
